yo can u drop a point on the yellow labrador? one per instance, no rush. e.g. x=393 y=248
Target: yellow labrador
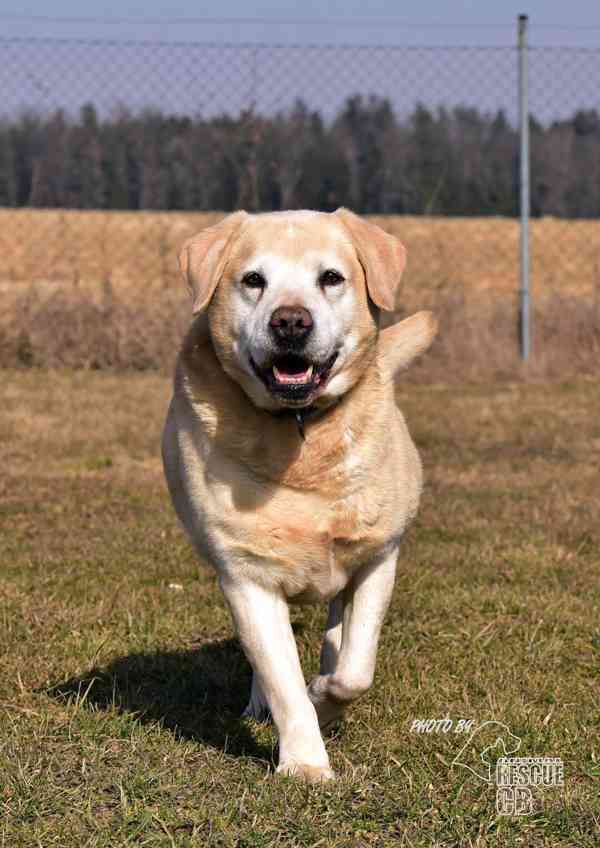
x=288 y=462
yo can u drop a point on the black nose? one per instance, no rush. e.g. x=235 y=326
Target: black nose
x=291 y=324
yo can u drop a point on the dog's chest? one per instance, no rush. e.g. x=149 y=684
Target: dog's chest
x=306 y=524
x=307 y=542
x=357 y=527
x=359 y=518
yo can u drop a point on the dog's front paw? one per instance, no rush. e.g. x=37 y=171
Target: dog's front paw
x=311 y=774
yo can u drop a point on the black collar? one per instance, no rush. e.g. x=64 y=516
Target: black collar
x=300 y=415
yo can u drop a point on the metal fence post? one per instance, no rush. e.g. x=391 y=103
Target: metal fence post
x=524 y=176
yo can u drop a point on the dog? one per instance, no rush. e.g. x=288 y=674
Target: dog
x=288 y=462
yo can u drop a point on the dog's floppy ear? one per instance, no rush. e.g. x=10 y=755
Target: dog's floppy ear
x=401 y=343
x=202 y=259
x=381 y=255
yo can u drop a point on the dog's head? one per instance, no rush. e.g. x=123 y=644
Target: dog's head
x=292 y=300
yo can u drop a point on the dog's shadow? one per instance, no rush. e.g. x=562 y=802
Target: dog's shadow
x=197 y=694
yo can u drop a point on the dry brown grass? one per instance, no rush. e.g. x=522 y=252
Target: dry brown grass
x=139 y=249
x=102 y=290
x=478 y=340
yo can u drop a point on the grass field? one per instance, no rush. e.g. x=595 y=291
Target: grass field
x=139 y=249
x=121 y=683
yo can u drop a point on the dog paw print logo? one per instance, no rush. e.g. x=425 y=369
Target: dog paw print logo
x=476 y=755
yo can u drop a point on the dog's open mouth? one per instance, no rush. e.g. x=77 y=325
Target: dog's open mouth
x=293 y=377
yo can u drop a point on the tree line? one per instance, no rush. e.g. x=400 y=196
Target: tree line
x=447 y=161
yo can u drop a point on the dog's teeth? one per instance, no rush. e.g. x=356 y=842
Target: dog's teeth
x=309 y=373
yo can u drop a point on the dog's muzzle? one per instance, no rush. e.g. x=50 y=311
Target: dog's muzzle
x=292 y=377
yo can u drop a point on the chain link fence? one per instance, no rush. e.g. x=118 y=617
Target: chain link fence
x=112 y=153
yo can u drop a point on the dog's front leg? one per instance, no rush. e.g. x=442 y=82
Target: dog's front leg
x=261 y=617
x=350 y=645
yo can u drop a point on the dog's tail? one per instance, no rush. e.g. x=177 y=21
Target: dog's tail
x=401 y=343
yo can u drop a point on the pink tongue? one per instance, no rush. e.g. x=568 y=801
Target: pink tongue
x=301 y=377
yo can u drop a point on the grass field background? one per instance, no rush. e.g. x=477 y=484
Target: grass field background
x=121 y=683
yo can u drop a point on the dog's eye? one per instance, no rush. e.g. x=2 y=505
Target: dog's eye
x=331 y=278
x=254 y=280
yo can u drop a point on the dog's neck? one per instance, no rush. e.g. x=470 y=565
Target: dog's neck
x=302 y=414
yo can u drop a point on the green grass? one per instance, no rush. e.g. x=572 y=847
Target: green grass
x=121 y=683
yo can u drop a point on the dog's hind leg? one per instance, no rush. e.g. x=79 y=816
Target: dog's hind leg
x=257 y=708
x=332 y=640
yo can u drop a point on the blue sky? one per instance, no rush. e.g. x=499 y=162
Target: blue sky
x=188 y=77
x=447 y=22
